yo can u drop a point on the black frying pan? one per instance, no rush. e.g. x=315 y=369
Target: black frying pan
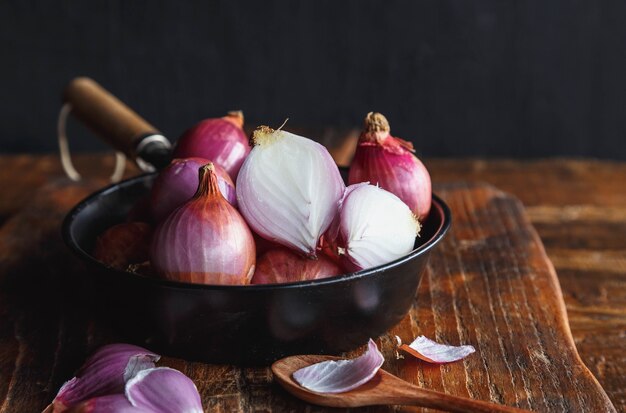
x=246 y=325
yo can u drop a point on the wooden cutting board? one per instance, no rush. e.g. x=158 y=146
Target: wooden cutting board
x=489 y=284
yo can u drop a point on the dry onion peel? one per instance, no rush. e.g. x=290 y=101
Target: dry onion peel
x=433 y=352
x=288 y=189
x=338 y=376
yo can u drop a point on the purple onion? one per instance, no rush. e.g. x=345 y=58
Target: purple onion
x=204 y=241
x=389 y=162
x=178 y=182
x=222 y=140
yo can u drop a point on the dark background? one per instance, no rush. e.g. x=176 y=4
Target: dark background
x=459 y=78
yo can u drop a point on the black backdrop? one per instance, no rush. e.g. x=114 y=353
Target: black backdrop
x=459 y=78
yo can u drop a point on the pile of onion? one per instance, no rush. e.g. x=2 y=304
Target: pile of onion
x=289 y=205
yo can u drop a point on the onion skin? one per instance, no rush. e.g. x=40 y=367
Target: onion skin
x=284 y=266
x=124 y=244
x=222 y=140
x=389 y=162
x=205 y=241
x=428 y=350
x=178 y=182
x=288 y=189
x=339 y=376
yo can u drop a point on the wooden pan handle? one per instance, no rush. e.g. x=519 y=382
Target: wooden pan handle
x=106 y=115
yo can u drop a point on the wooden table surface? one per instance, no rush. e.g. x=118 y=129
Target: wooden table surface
x=577 y=206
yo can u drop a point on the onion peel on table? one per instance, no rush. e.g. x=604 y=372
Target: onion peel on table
x=432 y=352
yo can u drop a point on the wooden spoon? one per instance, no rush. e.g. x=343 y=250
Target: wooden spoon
x=384 y=388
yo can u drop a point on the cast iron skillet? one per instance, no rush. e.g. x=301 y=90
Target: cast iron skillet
x=244 y=325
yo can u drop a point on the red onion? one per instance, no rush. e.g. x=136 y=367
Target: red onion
x=288 y=189
x=284 y=266
x=221 y=140
x=205 y=240
x=374 y=227
x=124 y=244
x=178 y=182
x=389 y=162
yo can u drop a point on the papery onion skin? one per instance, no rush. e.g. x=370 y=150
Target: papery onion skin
x=374 y=227
x=124 y=244
x=204 y=241
x=389 y=162
x=178 y=182
x=284 y=266
x=222 y=140
x=339 y=376
x=433 y=352
x=288 y=189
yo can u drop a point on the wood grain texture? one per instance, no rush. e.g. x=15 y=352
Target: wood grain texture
x=477 y=290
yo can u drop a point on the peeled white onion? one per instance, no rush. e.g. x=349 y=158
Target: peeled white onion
x=288 y=189
x=374 y=227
